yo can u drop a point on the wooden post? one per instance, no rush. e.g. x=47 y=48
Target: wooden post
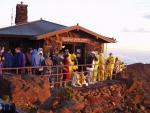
x=85 y=53
x=57 y=92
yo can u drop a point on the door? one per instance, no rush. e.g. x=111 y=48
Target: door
x=80 y=52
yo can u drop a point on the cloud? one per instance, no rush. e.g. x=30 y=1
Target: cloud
x=139 y=30
x=147 y=16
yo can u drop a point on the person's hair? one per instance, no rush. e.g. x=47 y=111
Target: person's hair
x=66 y=55
x=61 y=51
x=110 y=54
x=71 y=51
x=95 y=58
x=47 y=56
x=8 y=50
x=19 y=48
x=29 y=49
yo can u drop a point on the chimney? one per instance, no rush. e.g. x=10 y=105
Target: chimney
x=21 y=13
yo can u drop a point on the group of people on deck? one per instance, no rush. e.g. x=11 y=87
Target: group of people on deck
x=64 y=64
x=32 y=57
x=99 y=69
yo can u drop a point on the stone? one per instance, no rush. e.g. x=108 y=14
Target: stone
x=28 y=91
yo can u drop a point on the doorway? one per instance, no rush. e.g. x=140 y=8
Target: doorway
x=79 y=50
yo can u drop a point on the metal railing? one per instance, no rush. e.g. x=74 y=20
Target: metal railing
x=46 y=70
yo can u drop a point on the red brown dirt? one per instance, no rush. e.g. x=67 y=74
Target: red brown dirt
x=124 y=96
x=127 y=96
x=25 y=91
x=141 y=72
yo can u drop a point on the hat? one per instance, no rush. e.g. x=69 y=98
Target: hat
x=101 y=54
x=110 y=53
x=93 y=52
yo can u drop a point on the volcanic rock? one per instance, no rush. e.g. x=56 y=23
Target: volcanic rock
x=25 y=91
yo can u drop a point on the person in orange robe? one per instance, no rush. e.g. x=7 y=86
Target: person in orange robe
x=66 y=74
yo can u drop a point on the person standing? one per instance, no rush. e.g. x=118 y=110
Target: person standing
x=110 y=66
x=49 y=63
x=122 y=70
x=95 y=71
x=29 y=57
x=74 y=62
x=74 y=67
x=1 y=61
x=70 y=62
x=24 y=62
x=66 y=73
x=42 y=62
x=101 y=67
x=29 y=60
x=117 y=68
x=35 y=58
x=90 y=66
x=18 y=58
x=8 y=62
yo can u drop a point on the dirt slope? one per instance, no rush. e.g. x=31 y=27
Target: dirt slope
x=141 y=72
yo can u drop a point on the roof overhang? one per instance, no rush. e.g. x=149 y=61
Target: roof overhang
x=4 y=36
x=79 y=28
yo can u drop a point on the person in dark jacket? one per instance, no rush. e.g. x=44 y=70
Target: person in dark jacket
x=1 y=63
x=8 y=62
x=18 y=58
x=1 y=59
x=29 y=57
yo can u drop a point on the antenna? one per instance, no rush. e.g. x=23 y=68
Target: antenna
x=12 y=17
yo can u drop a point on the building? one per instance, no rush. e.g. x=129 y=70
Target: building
x=51 y=36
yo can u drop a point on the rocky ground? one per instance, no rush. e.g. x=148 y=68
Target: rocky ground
x=141 y=72
x=27 y=92
x=31 y=94
x=124 y=96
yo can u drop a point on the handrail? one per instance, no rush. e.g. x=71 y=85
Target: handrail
x=27 y=67
x=31 y=68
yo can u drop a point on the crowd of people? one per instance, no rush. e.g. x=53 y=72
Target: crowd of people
x=97 y=68
x=20 y=59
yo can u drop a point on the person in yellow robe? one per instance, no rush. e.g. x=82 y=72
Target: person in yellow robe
x=110 y=66
x=101 y=67
x=95 y=71
x=74 y=68
x=122 y=70
x=70 y=61
x=74 y=62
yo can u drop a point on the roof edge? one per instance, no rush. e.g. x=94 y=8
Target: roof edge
x=77 y=27
x=29 y=23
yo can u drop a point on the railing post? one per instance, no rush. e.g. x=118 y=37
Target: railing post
x=17 y=71
x=57 y=72
x=82 y=68
x=126 y=71
x=57 y=67
x=29 y=69
x=61 y=75
x=1 y=72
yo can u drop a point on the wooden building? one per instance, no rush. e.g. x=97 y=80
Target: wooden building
x=51 y=36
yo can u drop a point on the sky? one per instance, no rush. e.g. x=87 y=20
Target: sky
x=126 y=20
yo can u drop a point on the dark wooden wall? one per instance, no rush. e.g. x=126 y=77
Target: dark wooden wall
x=24 y=44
